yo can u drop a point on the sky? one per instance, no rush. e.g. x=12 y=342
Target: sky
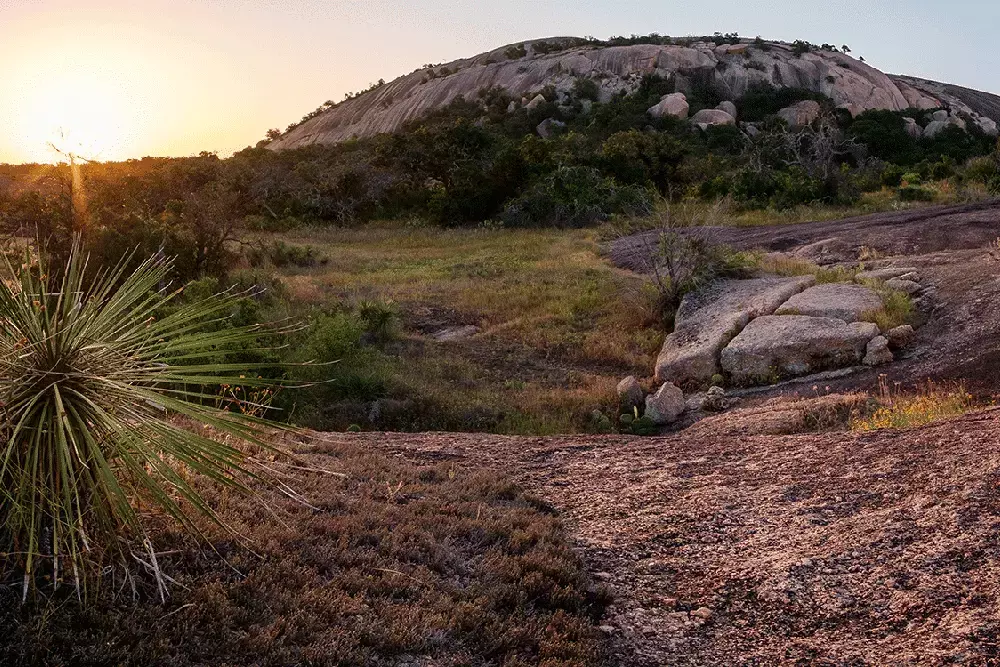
x=116 y=79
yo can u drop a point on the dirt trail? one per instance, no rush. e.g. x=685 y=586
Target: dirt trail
x=725 y=547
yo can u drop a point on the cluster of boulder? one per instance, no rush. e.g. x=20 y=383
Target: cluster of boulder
x=760 y=331
x=800 y=114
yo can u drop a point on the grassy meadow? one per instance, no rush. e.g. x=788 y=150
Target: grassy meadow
x=556 y=325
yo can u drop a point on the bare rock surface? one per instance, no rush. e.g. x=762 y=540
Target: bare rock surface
x=842 y=301
x=708 y=320
x=523 y=71
x=875 y=549
x=778 y=346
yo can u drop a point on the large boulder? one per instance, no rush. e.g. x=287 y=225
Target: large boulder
x=536 y=102
x=728 y=107
x=709 y=117
x=666 y=405
x=936 y=127
x=707 y=320
x=801 y=114
x=778 y=346
x=549 y=127
x=827 y=251
x=912 y=128
x=842 y=301
x=674 y=104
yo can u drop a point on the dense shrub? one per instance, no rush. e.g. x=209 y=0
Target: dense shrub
x=575 y=197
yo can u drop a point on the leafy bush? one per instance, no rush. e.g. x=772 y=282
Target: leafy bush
x=575 y=197
x=89 y=378
x=280 y=254
x=916 y=193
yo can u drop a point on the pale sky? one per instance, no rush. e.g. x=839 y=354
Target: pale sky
x=175 y=77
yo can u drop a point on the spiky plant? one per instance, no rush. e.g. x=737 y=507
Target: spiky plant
x=93 y=391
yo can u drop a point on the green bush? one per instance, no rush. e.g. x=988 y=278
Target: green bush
x=916 y=193
x=575 y=197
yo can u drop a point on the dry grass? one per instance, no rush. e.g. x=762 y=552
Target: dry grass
x=898 y=409
x=397 y=563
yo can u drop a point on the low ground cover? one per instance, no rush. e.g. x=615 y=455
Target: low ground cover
x=391 y=562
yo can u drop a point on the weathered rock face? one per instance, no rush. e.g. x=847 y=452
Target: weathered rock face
x=674 y=104
x=841 y=301
x=731 y=69
x=708 y=320
x=777 y=346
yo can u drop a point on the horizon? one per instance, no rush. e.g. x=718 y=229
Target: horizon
x=115 y=81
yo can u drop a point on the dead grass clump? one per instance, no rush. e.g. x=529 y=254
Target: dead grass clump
x=930 y=403
x=396 y=563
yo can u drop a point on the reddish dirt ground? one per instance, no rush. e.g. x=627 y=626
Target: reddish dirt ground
x=723 y=546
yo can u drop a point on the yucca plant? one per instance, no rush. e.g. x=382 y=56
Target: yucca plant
x=94 y=390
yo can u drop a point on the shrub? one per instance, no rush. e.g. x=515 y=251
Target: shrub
x=280 y=254
x=586 y=89
x=916 y=193
x=575 y=197
x=929 y=404
x=88 y=381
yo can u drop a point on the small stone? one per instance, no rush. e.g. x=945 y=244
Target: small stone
x=704 y=613
x=538 y=101
x=906 y=286
x=715 y=400
x=900 y=337
x=914 y=276
x=608 y=629
x=806 y=562
x=630 y=393
x=878 y=352
x=666 y=405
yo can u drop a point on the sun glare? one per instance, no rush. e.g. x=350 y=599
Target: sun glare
x=79 y=113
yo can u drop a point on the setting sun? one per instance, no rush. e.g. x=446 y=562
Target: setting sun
x=82 y=113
